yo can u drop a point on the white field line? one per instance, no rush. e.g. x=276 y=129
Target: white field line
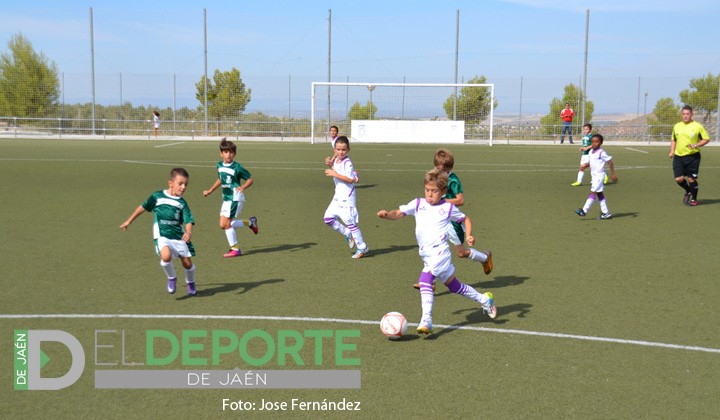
x=637 y=150
x=169 y=144
x=365 y=322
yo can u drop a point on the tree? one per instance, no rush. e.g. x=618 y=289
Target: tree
x=665 y=115
x=362 y=112
x=227 y=95
x=574 y=96
x=29 y=85
x=704 y=97
x=473 y=104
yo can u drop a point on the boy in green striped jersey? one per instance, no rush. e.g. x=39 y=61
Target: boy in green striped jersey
x=172 y=228
x=234 y=179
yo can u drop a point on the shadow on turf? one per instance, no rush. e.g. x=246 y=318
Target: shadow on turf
x=477 y=316
x=393 y=248
x=283 y=247
x=206 y=291
x=364 y=186
x=489 y=285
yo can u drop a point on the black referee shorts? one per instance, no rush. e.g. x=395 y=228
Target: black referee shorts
x=686 y=165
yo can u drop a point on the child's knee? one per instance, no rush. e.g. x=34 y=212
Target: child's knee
x=224 y=223
x=328 y=221
x=187 y=263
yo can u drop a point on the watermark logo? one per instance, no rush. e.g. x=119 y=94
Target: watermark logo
x=30 y=359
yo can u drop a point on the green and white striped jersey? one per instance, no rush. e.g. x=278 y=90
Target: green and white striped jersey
x=171 y=214
x=231 y=177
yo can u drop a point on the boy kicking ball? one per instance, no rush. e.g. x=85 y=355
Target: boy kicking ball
x=432 y=220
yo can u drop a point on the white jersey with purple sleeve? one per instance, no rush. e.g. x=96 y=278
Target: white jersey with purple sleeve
x=344 y=191
x=598 y=158
x=432 y=222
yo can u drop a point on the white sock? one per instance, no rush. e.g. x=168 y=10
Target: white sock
x=190 y=274
x=476 y=255
x=168 y=268
x=231 y=237
x=426 y=302
x=603 y=206
x=581 y=174
x=238 y=223
x=357 y=236
x=588 y=204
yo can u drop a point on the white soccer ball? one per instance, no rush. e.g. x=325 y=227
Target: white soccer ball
x=393 y=325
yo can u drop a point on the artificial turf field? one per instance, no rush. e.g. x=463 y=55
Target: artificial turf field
x=596 y=318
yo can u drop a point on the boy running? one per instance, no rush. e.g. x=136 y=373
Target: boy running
x=598 y=159
x=231 y=175
x=172 y=228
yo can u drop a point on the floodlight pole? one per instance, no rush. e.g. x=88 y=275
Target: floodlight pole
x=206 y=73
x=457 y=46
x=584 y=95
x=92 y=68
x=370 y=111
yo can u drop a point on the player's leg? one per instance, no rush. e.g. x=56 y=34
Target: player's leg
x=332 y=214
x=692 y=169
x=581 y=172
x=227 y=210
x=189 y=275
x=426 y=301
x=165 y=252
x=462 y=289
x=351 y=218
x=679 y=172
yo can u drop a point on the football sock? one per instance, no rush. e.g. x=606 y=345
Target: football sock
x=168 y=268
x=238 y=223
x=231 y=237
x=337 y=226
x=190 y=274
x=476 y=255
x=459 y=288
x=603 y=206
x=589 y=202
x=426 y=295
x=581 y=175
x=694 y=189
x=357 y=236
x=684 y=185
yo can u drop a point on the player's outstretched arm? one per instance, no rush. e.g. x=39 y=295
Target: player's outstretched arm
x=138 y=211
x=213 y=188
x=391 y=215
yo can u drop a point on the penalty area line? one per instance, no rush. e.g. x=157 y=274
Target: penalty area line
x=169 y=144
x=365 y=322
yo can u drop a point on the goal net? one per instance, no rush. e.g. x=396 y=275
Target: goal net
x=403 y=112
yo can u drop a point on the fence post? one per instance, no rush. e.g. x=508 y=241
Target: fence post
x=60 y=127
x=104 y=129
x=282 y=131
x=192 y=130
x=15 y=126
x=237 y=130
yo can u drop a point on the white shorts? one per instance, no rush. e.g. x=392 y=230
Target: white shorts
x=178 y=248
x=598 y=183
x=232 y=209
x=348 y=214
x=452 y=236
x=585 y=160
x=438 y=262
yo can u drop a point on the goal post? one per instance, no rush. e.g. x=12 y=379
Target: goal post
x=403 y=112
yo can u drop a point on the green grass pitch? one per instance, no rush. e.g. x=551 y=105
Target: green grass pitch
x=649 y=275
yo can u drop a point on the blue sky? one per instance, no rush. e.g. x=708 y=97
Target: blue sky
x=376 y=39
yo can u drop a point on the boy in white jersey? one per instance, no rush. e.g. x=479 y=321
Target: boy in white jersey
x=231 y=175
x=433 y=217
x=343 y=205
x=172 y=228
x=598 y=159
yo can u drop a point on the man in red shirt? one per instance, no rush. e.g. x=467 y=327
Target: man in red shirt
x=566 y=115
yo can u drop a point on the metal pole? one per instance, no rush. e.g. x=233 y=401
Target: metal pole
x=645 y=127
x=206 y=73
x=174 y=103
x=327 y=128
x=92 y=68
x=121 y=102
x=717 y=113
x=584 y=89
x=521 y=96
x=289 y=96
x=402 y=111
x=637 y=114
x=457 y=46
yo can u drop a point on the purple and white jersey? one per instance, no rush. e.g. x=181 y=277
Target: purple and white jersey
x=344 y=191
x=598 y=158
x=432 y=222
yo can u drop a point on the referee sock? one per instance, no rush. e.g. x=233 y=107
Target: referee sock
x=684 y=185
x=694 y=190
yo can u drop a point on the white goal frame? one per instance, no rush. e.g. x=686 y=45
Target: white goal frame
x=371 y=85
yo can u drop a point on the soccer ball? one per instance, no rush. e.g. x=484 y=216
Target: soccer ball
x=393 y=325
